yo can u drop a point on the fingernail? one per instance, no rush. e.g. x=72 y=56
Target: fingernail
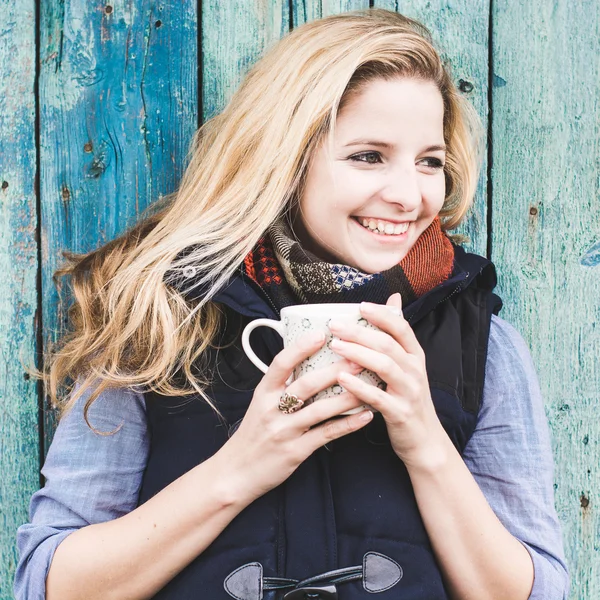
x=365 y=416
x=367 y=307
x=313 y=338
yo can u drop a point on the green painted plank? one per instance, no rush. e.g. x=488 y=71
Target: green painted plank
x=546 y=238
x=460 y=31
x=234 y=36
x=19 y=443
x=118 y=97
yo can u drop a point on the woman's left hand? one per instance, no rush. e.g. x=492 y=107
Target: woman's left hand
x=394 y=353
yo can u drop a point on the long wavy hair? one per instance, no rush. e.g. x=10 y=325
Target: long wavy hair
x=129 y=324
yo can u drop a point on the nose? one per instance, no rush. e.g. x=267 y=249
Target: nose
x=402 y=187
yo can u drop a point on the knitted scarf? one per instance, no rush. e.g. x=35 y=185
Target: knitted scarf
x=289 y=274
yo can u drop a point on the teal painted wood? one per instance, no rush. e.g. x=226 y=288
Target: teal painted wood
x=546 y=238
x=460 y=30
x=19 y=442
x=118 y=98
x=309 y=10
x=234 y=35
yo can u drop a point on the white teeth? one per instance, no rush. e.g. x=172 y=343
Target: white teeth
x=384 y=227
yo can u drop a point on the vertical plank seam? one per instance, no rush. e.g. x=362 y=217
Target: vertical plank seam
x=490 y=138
x=290 y=15
x=38 y=323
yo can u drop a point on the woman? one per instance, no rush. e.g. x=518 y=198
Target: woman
x=332 y=176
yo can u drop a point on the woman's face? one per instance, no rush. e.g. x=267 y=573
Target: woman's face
x=386 y=173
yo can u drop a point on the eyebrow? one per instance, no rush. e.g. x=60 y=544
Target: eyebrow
x=375 y=143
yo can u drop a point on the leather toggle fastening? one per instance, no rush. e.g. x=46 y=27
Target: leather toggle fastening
x=378 y=573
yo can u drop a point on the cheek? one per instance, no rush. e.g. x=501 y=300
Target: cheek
x=434 y=195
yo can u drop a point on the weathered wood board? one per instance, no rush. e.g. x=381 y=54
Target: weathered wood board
x=546 y=238
x=234 y=35
x=19 y=438
x=118 y=107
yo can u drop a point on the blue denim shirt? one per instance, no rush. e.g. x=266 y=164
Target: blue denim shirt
x=92 y=478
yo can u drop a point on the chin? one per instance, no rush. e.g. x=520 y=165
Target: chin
x=377 y=266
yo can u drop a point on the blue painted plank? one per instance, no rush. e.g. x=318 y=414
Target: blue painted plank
x=19 y=442
x=118 y=98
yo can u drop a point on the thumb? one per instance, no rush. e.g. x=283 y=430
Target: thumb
x=395 y=300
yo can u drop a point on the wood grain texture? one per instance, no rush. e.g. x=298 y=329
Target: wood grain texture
x=19 y=442
x=118 y=96
x=309 y=10
x=546 y=238
x=234 y=35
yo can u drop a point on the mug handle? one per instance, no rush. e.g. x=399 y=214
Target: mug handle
x=276 y=325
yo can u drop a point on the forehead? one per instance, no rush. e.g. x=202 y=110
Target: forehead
x=401 y=108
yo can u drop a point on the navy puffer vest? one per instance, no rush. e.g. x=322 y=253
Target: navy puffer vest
x=350 y=505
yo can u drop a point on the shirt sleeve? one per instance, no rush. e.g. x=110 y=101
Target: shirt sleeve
x=510 y=457
x=90 y=478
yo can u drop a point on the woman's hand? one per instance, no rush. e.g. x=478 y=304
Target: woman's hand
x=269 y=445
x=397 y=357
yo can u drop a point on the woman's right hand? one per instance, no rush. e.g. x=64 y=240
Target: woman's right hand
x=269 y=445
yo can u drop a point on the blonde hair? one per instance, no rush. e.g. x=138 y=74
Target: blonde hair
x=130 y=325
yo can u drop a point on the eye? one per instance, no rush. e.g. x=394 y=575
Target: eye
x=434 y=163
x=370 y=158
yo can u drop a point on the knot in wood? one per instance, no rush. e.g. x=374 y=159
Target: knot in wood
x=465 y=86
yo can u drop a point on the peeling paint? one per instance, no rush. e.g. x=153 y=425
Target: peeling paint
x=591 y=258
x=498 y=81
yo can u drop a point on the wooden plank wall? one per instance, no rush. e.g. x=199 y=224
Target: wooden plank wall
x=120 y=96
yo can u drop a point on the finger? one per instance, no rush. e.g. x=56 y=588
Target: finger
x=385 y=366
x=370 y=338
x=395 y=300
x=324 y=409
x=396 y=325
x=316 y=380
x=287 y=360
x=334 y=429
x=368 y=393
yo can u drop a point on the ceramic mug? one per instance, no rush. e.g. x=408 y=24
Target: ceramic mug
x=300 y=319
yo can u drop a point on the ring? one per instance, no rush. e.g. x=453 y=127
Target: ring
x=288 y=403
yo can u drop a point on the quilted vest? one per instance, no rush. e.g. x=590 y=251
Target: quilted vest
x=345 y=524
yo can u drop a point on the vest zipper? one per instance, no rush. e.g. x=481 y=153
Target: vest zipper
x=455 y=291
x=262 y=292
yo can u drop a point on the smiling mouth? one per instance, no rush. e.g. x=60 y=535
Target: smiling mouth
x=382 y=227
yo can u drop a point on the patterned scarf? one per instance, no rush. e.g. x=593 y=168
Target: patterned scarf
x=289 y=274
